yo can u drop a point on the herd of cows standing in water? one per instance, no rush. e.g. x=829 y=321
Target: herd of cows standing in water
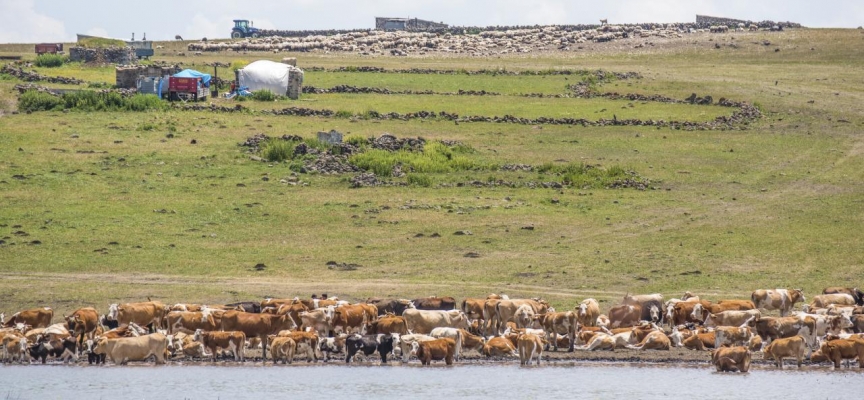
x=828 y=329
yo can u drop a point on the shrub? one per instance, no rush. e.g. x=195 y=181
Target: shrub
x=238 y=64
x=50 y=60
x=278 y=150
x=435 y=158
x=32 y=100
x=357 y=141
x=419 y=180
x=343 y=114
x=144 y=102
x=263 y=95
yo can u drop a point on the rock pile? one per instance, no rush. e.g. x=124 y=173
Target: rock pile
x=106 y=55
x=392 y=143
x=30 y=76
x=366 y=179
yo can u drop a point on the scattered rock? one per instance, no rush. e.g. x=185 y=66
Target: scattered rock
x=472 y=254
x=528 y=228
x=342 y=266
x=259 y=267
x=463 y=233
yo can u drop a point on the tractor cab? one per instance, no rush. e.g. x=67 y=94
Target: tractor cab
x=243 y=29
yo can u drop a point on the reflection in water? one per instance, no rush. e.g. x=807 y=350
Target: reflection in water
x=415 y=382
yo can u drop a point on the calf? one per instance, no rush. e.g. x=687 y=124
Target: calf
x=308 y=342
x=499 y=347
x=655 y=340
x=731 y=359
x=555 y=323
x=794 y=346
x=439 y=349
x=452 y=333
x=93 y=357
x=700 y=341
x=282 y=348
x=406 y=344
x=235 y=341
x=529 y=346
x=368 y=344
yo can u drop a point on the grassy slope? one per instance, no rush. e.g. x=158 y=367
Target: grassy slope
x=777 y=205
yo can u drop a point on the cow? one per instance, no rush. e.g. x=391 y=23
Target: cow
x=828 y=324
x=682 y=312
x=423 y=321
x=435 y=303
x=839 y=349
x=651 y=306
x=330 y=345
x=282 y=348
x=394 y=306
x=701 y=341
x=185 y=307
x=604 y=341
x=319 y=320
x=256 y=325
x=794 y=346
x=15 y=348
x=732 y=318
x=654 y=340
x=731 y=359
x=64 y=349
x=438 y=349
x=93 y=357
x=36 y=318
x=108 y=324
x=144 y=313
x=315 y=302
x=368 y=344
x=524 y=316
x=772 y=328
x=856 y=293
x=587 y=312
x=122 y=350
x=530 y=346
x=473 y=308
x=777 y=299
x=499 y=347
x=625 y=315
x=234 y=341
x=245 y=306
x=406 y=344
x=274 y=304
x=387 y=325
x=732 y=336
x=817 y=357
x=676 y=337
x=190 y=321
x=293 y=310
x=471 y=341
x=353 y=317
x=857 y=323
x=491 y=322
x=83 y=322
x=555 y=323
x=824 y=300
x=505 y=310
x=307 y=342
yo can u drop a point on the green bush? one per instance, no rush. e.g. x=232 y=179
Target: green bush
x=50 y=60
x=435 y=158
x=419 y=180
x=278 y=150
x=238 y=64
x=144 y=102
x=344 y=114
x=263 y=95
x=32 y=100
x=357 y=141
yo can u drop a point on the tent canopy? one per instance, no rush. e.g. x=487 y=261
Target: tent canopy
x=265 y=75
x=191 y=73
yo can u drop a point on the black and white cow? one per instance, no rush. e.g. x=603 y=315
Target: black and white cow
x=332 y=345
x=247 y=306
x=108 y=324
x=368 y=344
x=93 y=358
x=62 y=349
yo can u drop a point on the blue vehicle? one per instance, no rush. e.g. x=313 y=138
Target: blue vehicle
x=243 y=29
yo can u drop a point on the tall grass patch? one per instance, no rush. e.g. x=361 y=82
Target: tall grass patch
x=86 y=100
x=50 y=60
x=436 y=157
x=581 y=175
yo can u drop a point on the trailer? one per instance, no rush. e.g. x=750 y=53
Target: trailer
x=49 y=48
x=188 y=85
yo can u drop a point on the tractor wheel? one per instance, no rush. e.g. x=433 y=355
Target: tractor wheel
x=236 y=35
x=255 y=35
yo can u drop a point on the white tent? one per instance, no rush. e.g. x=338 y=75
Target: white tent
x=273 y=76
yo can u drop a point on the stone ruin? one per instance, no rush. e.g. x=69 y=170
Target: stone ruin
x=107 y=55
x=295 y=82
x=127 y=75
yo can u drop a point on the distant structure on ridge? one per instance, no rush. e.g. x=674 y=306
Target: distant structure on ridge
x=407 y=24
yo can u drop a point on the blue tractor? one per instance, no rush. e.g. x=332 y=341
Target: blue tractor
x=243 y=29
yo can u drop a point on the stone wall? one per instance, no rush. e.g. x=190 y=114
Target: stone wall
x=127 y=75
x=704 y=21
x=107 y=55
x=408 y=24
x=295 y=82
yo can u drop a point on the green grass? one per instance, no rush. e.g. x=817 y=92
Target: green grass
x=125 y=206
x=50 y=60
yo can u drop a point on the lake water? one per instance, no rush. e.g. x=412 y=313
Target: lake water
x=483 y=381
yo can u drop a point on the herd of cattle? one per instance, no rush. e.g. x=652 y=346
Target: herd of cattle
x=828 y=329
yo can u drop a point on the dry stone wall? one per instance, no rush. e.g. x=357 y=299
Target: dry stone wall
x=127 y=75
x=107 y=55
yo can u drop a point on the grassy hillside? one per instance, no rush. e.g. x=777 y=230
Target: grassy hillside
x=101 y=207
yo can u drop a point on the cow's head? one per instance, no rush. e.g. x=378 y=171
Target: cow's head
x=710 y=320
x=113 y=310
x=670 y=308
x=676 y=337
x=798 y=295
x=655 y=314
x=583 y=309
x=197 y=336
x=698 y=311
x=100 y=347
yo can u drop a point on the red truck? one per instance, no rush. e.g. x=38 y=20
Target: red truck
x=49 y=48
x=186 y=89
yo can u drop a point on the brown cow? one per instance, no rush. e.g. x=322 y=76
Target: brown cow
x=817 y=357
x=839 y=349
x=435 y=303
x=36 y=318
x=352 y=317
x=731 y=305
x=856 y=293
x=732 y=318
x=732 y=336
x=235 y=341
x=625 y=315
x=185 y=307
x=700 y=341
x=282 y=348
x=307 y=342
x=387 y=324
x=825 y=300
x=530 y=346
x=654 y=340
x=190 y=321
x=505 y=310
x=294 y=311
x=84 y=321
x=556 y=323
x=794 y=346
x=318 y=320
x=499 y=347
x=439 y=349
x=256 y=325
x=470 y=341
x=777 y=299
x=731 y=359
x=587 y=312
x=682 y=312
x=143 y=314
